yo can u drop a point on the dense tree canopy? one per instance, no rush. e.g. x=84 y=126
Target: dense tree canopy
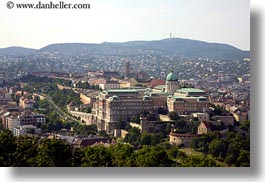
x=197 y=161
x=234 y=150
x=30 y=151
x=7 y=147
x=53 y=153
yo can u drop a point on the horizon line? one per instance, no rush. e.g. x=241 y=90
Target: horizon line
x=113 y=42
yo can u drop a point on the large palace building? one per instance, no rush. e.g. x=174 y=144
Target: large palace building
x=114 y=105
x=120 y=104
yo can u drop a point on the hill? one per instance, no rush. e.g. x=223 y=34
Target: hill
x=16 y=51
x=183 y=48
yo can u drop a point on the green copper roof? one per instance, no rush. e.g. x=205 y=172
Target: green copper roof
x=159 y=93
x=171 y=77
x=160 y=87
x=189 y=90
x=114 y=97
x=120 y=90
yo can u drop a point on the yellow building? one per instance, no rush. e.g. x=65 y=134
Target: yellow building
x=125 y=84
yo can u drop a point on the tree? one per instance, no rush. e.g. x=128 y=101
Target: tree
x=26 y=151
x=244 y=158
x=168 y=128
x=194 y=143
x=97 y=156
x=84 y=85
x=146 y=138
x=238 y=153
x=232 y=154
x=151 y=138
x=87 y=109
x=173 y=115
x=103 y=133
x=85 y=130
x=122 y=155
x=174 y=152
x=218 y=110
x=245 y=125
x=156 y=138
x=218 y=148
x=196 y=161
x=78 y=154
x=202 y=143
x=7 y=147
x=181 y=126
x=53 y=153
x=133 y=136
x=154 y=156
x=31 y=131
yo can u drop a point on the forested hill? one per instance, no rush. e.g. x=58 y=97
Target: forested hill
x=16 y=51
x=183 y=48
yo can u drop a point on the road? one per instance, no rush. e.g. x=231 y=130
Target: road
x=58 y=110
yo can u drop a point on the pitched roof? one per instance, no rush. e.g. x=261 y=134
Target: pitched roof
x=155 y=83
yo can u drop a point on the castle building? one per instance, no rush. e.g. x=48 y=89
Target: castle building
x=186 y=101
x=120 y=104
x=115 y=105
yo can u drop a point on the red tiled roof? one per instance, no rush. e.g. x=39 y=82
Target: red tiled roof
x=155 y=83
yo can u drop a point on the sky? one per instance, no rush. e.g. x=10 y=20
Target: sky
x=221 y=21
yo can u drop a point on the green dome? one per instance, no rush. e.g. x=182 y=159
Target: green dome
x=171 y=77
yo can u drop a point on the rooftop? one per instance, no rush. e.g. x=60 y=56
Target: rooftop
x=184 y=98
x=160 y=87
x=121 y=90
x=172 y=76
x=158 y=93
x=187 y=90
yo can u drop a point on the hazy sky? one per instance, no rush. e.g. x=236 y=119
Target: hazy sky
x=222 y=21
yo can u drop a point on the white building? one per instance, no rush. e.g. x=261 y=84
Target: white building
x=12 y=122
x=201 y=116
x=109 y=85
x=23 y=130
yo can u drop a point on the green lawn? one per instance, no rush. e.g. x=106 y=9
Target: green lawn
x=191 y=152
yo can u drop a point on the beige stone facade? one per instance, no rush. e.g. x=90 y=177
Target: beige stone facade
x=178 y=139
x=116 y=105
x=187 y=105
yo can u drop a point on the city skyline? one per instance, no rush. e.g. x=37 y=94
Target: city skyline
x=117 y=21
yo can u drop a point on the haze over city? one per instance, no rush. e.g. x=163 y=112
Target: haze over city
x=119 y=21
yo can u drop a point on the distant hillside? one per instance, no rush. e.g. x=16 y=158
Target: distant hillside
x=191 y=48
x=184 y=48
x=16 y=51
